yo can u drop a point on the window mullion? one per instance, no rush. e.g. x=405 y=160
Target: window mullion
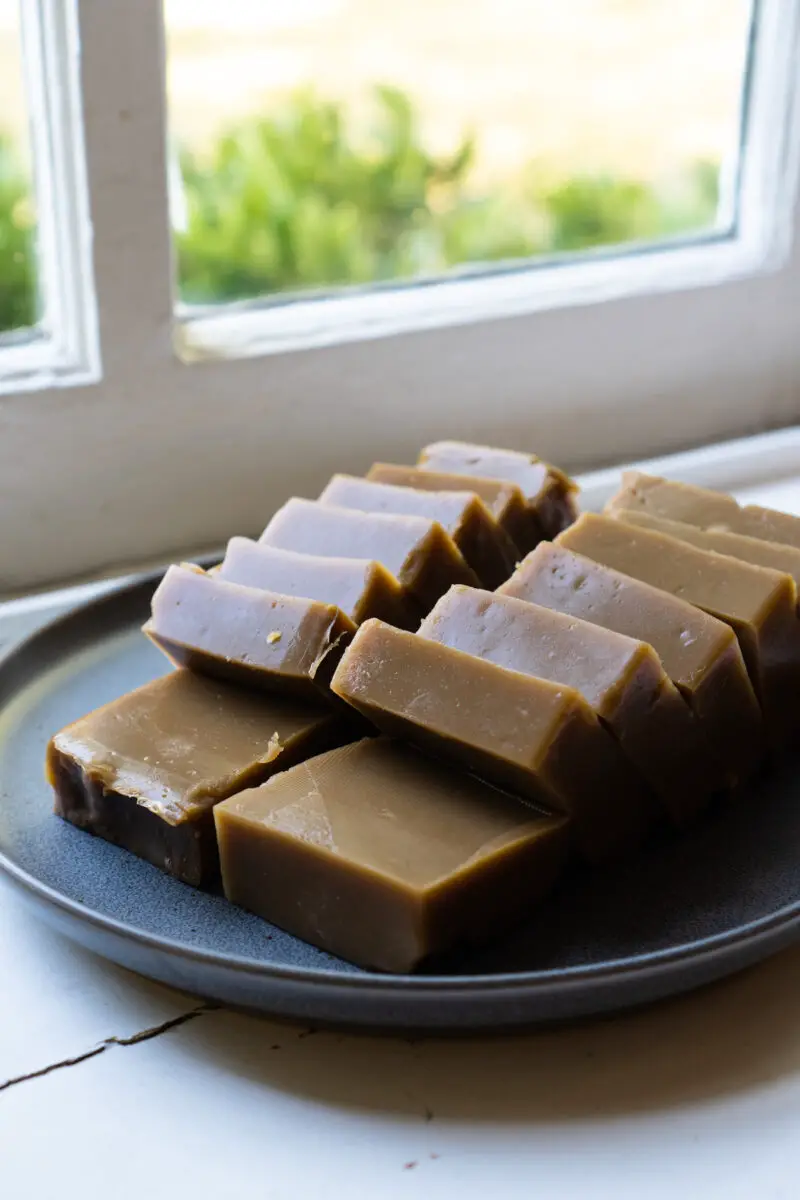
x=122 y=84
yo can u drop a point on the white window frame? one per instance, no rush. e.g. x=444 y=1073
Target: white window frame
x=595 y=361
x=65 y=349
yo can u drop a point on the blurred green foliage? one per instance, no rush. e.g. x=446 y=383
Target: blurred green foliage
x=303 y=198
x=295 y=199
x=17 y=235
x=308 y=197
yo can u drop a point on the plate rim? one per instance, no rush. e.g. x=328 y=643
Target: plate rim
x=716 y=945
x=774 y=927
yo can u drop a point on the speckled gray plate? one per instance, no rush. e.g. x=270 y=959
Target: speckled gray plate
x=687 y=910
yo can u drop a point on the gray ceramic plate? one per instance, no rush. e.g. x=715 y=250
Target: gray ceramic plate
x=687 y=910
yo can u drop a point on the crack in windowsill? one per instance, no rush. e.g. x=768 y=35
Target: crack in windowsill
x=144 y=1035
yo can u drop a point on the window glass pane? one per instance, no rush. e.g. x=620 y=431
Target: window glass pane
x=345 y=142
x=19 y=305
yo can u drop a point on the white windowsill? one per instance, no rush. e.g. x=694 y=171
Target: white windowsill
x=764 y=469
x=256 y=328
x=42 y=362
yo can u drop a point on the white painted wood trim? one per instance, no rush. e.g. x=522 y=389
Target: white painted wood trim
x=64 y=348
x=251 y=330
x=753 y=235
x=160 y=455
x=737 y=466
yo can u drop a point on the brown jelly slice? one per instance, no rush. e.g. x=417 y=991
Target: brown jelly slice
x=621 y=678
x=379 y=854
x=758 y=604
x=700 y=654
x=247 y=635
x=705 y=508
x=505 y=501
x=550 y=494
x=419 y=552
x=146 y=770
x=361 y=588
x=776 y=556
x=536 y=739
x=486 y=547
